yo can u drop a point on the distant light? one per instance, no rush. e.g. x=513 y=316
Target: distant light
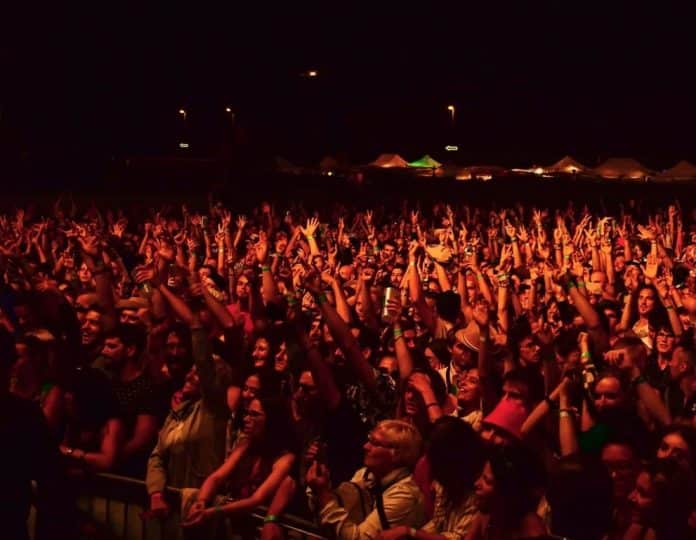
x=227 y=109
x=538 y=170
x=312 y=73
x=182 y=112
x=330 y=173
x=451 y=148
x=450 y=108
x=183 y=145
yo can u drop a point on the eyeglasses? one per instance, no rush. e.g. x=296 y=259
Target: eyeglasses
x=665 y=335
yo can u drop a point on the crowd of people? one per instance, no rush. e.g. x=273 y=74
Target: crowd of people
x=452 y=372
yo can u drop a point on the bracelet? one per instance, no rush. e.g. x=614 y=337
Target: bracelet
x=483 y=339
x=291 y=300
x=586 y=354
x=398 y=333
x=565 y=413
x=571 y=285
x=669 y=308
x=310 y=237
x=265 y=268
x=557 y=246
x=581 y=284
x=433 y=404
x=640 y=379
x=270 y=518
x=412 y=263
x=479 y=277
x=321 y=299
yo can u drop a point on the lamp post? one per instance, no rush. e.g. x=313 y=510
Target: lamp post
x=450 y=108
x=182 y=112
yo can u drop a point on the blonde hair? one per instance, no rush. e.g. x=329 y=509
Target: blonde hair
x=405 y=438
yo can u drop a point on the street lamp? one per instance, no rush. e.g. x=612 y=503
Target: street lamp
x=450 y=108
x=182 y=112
x=228 y=110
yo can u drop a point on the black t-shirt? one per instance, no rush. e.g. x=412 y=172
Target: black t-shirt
x=140 y=396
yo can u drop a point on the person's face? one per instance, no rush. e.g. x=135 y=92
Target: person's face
x=281 y=359
x=242 y=287
x=318 y=263
x=410 y=338
x=674 y=447
x=306 y=393
x=396 y=276
x=387 y=364
x=68 y=260
x=379 y=452
x=412 y=400
x=250 y=390
x=646 y=302
x=485 y=485
x=91 y=328
x=433 y=360
x=643 y=495
x=388 y=253
x=619 y=264
x=529 y=351
x=254 y=424
x=129 y=316
x=620 y=462
x=678 y=363
x=491 y=436
x=281 y=244
x=631 y=278
x=192 y=385
x=261 y=352
x=596 y=283
x=315 y=331
x=468 y=387
x=461 y=355
x=664 y=341
x=517 y=391
x=607 y=394
x=84 y=274
x=346 y=272
x=114 y=350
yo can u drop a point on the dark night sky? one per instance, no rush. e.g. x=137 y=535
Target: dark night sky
x=531 y=81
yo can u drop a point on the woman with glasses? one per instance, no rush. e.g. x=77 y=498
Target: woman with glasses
x=260 y=461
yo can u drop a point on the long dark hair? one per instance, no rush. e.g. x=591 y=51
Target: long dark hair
x=455 y=456
x=278 y=437
x=519 y=476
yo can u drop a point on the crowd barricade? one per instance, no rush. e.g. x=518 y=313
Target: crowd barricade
x=114 y=507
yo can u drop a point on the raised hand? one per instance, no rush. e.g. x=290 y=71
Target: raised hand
x=651 y=265
x=241 y=221
x=415 y=217
x=226 y=219
x=261 y=248
x=510 y=230
x=220 y=235
x=312 y=225
x=647 y=233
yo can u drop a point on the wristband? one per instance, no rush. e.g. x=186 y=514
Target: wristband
x=571 y=285
x=565 y=413
x=479 y=277
x=586 y=354
x=265 y=268
x=557 y=246
x=291 y=300
x=321 y=299
x=310 y=237
x=270 y=518
x=581 y=284
x=412 y=263
x=669 y=308
x=398 y=333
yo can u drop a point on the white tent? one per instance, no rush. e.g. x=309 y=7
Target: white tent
x=623 y=168
x=386 y=161
x=684 y=170
x=566 y=165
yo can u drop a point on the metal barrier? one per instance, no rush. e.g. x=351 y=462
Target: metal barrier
x=114 y=505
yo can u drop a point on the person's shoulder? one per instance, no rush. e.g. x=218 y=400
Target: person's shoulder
x=532 y=526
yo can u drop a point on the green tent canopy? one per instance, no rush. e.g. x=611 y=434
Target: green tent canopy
x=426 y=162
